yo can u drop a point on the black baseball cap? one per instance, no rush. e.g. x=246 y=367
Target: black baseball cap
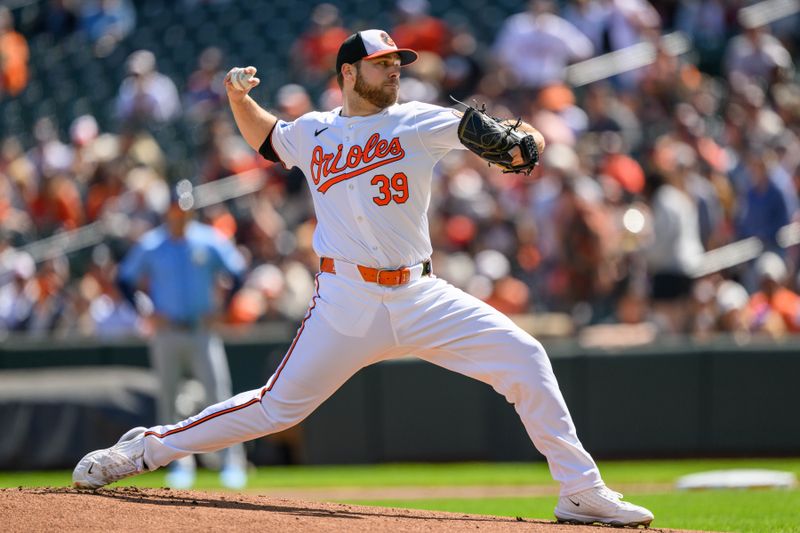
x=368 y=44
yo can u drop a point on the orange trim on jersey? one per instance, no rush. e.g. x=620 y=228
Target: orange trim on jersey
x=201 y=420
x=342 y=177
x=263 y=390
x=274 y=379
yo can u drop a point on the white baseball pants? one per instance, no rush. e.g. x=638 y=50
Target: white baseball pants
x=351 y=324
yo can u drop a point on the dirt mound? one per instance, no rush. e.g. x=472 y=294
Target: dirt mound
x=132 y=509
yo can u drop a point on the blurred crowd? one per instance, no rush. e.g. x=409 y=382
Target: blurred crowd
x=645 y=171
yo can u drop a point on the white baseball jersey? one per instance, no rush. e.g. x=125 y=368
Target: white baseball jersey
x=370 y=182
x=370 y=178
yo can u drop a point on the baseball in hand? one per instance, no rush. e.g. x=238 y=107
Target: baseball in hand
x=242 y=78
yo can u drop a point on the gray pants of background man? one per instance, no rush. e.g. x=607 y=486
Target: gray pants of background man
x=174 y=349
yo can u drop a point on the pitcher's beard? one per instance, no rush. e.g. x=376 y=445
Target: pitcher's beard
x=381 y=97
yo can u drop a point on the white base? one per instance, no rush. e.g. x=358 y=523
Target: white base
x=737 y=479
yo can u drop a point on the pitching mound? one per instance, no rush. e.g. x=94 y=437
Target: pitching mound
x=136 y=510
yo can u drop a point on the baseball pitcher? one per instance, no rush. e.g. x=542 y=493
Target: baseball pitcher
x=368 y=165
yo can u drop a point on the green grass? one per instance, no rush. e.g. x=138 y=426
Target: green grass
x=393 y=475
x=765 y=511
x=762 y=511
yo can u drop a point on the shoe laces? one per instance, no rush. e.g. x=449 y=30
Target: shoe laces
x=124 y=459
x=122 y=466
x=611 y=494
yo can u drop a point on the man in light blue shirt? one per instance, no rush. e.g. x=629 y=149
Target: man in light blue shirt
x=179 y=263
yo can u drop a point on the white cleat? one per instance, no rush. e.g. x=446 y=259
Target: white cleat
x=601 y=505
x=101 y=467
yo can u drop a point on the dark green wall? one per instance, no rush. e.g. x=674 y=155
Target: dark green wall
x=657 y=401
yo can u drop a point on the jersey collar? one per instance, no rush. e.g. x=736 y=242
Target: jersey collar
x=337 y=113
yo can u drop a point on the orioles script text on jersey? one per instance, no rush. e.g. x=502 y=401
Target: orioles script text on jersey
x=326 y=164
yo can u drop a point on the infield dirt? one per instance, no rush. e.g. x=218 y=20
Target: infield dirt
x=132 y=509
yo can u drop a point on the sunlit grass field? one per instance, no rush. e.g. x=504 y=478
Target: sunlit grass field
x=743 y=511
x=751 y=511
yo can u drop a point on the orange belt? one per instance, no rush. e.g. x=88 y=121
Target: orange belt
x=401 y=276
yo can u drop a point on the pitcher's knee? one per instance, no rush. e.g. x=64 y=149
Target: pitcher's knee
x=281 y=416
x=527 y=377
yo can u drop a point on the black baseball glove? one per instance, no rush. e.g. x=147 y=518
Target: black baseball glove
x=493 y=139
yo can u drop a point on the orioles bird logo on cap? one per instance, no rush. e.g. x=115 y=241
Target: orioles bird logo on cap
x=386 y=39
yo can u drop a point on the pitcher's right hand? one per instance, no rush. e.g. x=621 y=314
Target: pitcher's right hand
x=239 y=81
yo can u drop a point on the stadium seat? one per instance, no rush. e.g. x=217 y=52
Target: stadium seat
x=257 y=32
